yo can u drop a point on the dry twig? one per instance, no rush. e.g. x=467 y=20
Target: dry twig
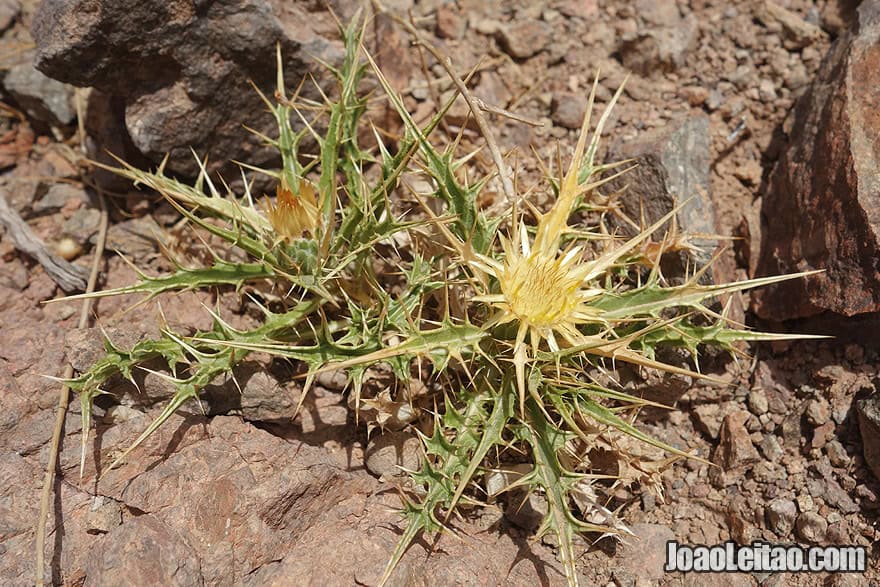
x=63 y=398
x=64 y=394
x=68 y=276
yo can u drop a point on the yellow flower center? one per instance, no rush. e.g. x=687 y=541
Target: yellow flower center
x=292 y=215
x=539 y=291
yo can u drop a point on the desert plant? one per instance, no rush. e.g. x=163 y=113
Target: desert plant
x=520 y=325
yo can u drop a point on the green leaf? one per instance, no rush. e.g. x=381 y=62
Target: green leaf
x=546 y=441
x=221 y=273
x=651 y=300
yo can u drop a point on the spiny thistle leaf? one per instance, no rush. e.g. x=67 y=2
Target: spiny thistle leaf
x=449 y=462
x=652 y=299
x=221 y=273
x=211 y=203
x=546 y=440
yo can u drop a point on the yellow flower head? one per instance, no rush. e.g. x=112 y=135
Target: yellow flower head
x=542 y=290
x=545 y=289
x=292 y=215
x=538 y=291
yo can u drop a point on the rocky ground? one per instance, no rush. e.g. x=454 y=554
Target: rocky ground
x=765 y=112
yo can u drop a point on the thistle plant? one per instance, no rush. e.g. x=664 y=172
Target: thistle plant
x=520 y=325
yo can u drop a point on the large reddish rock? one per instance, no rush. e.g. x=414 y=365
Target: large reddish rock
x=220 y=502
x=822 y=209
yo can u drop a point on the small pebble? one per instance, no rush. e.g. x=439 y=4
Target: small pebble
x=781 y=514
x=771 y=448
x=805 y=502
x=524 y=39
x=68 y=249
x=104 y=515
x=767 y=90
x=811 y=527
x=817 y=411
x=389 y=453
x=526 y=510
x=714 y=100
x=696 y=96
x=334 y=380
x=568 y=110
x=450 y=25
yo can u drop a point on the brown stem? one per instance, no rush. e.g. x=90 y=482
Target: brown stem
x=64 y=394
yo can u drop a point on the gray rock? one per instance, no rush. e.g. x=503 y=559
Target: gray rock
x=673 y=168
x=82 y=347
x=525 y=38
x=837 y=453
x=792 y=430
x=183 y=73
x=485 y=26
x=735 y=448
x=147 y=549
x=135 y=237
x=121 y=413
x=868 y=411
x=835 y=496
x=104 y=515
x=805 y=502
x=498 y=480
x=9 y=11
x=58 y=195
x=771 y=448
x=105 y=134
x=254 y=394
x=82 y=225
x=212 y=486
x=797 y=33
x=450 y=24
x=263 y=399
x=715 y=100
x=825 y=216
x=152 y=387
x=568 y=110
x=14 y=276
x=781 y=514
x=526 y=510
x=40 y=96
x=708 y=417
x=662 y=40
x=758 y=402
x=334 y=380
x=817 y=411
